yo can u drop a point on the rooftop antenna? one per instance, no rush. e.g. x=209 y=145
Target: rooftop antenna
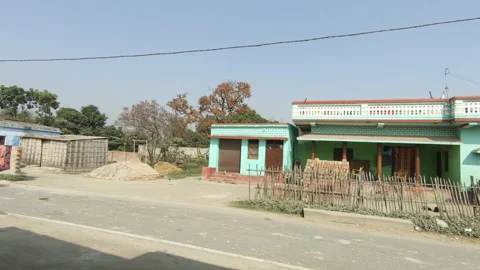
x=431 y=96
x=445 y=92
x=305 y=101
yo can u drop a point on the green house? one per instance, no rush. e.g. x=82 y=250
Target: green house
x=238 y=148
x=403 y=137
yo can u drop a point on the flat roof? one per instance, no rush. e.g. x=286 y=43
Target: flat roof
x=27 y=126
x=248 y=137
x=63 y=137
x=382 y=139
x=359 y=101
x=251 y=124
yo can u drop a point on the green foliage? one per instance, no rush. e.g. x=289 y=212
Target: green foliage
x=194 y=139
x=11 y=99
x=117 y=139
x=285 y=207
x=249 y=117
x=68 y=120
x=187 y=171
x=456 y=225
x=12 y=177
x=88 y=121
x=92 y=117
x=46 y=103
x=16 y=104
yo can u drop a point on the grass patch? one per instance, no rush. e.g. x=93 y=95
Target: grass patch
x=468 y=226
x=187 y=171
x=12 y=177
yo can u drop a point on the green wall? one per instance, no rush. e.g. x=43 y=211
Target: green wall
x=252 y=164
x=213 y=153
x=266 y=131
x=368 y=151
x=454 y=163
x=470 y=162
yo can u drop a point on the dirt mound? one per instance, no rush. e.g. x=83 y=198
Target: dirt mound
x=166 y=168
x=127 y=171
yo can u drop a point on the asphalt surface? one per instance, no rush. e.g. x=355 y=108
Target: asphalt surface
x=271 y=237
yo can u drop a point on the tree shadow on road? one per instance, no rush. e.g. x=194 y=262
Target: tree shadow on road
x=22 y=249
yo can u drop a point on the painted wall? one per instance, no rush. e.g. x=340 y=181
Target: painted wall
x=435 y=131
x=454 y=171
x=470 y=162
x=214 y=153
x=252 y=164
x=368 y=151
x=12 y=135
x=268 y=131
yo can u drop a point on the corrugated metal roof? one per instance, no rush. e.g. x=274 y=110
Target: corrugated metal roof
x=63 y=137
x=27 y=126
x=381 y=139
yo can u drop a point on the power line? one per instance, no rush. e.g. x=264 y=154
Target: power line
x=463 y=79
x=239 y=46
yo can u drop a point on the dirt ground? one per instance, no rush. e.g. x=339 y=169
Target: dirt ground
x=188 y=190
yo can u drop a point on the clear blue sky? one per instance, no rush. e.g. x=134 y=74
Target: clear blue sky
x=394 y=65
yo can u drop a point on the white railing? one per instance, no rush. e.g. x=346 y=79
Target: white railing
x=339 y=111
x=429 y=111
x=467 y=109
x=440 y=111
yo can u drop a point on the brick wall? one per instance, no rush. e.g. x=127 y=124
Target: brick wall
x=119 y=156
x=387 y=130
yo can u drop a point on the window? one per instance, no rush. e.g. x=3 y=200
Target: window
x=446 y=161
x=2 y=140
x=253 y=149
x=338 y=154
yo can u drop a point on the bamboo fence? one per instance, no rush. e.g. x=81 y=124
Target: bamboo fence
x=332 y=185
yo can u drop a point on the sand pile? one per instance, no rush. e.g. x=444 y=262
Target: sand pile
x=126 y=171
x=166 y=168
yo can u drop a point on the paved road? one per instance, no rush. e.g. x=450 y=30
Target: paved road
x=286 y=240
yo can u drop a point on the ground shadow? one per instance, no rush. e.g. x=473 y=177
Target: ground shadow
x=21 y=249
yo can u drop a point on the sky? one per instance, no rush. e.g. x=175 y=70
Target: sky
x=405 y=64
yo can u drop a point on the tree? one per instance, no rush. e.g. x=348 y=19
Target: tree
x=45 y=102
x=68 y=120
x=88 y=121
x=226 y=101
x=93 y=118
x=18 y=103
x=11 y=99
x=118 y=139
x=249 y=117
x=153 y=122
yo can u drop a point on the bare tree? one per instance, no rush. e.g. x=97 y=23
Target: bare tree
x=154 y=123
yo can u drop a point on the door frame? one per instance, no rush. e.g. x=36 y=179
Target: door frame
x=281 y=144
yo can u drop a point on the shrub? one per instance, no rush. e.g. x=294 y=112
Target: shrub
x=465 y=226
x=12 y=177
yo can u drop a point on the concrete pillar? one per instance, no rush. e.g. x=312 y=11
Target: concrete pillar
x=313 y=149
x=379 y=160
x=417 y=163
x=344 y=153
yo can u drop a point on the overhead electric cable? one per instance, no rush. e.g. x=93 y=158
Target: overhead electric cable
x=239 y=46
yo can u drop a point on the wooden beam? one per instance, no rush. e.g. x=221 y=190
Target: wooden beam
x=379 y=160
x=344 y=153
x=417 y=163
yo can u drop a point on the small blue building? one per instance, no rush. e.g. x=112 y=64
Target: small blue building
x=236 y=148
x=11 y=131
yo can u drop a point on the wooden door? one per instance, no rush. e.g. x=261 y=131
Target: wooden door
x=274 y=155
x=229 y=158
x=404 y=160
